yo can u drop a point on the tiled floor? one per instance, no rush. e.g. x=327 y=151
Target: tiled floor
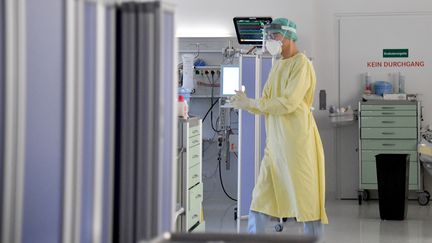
x=349 y=222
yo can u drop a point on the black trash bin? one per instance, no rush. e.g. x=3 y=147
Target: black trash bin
x=392 y=175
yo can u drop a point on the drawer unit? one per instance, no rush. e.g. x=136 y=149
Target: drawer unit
x=194 y=156
x=200 y=228
x=389 y=133
x=387 y=127
x=389 y=144
x=194 y=141
x=389 y=107
x=194 y=206
x=196 y=197
x=409 y=121
x=194 y=131
x=190 y=186
x=194 y=176
x=389 y=113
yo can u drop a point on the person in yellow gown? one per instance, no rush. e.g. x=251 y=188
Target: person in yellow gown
x=291 y=181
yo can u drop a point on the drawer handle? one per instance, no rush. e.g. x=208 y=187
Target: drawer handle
x=198 y=196
x=195 y=141
x=195 y=176
x=195 y=216
x=389 y=144
x=387 y=108
x=387 y=113
x=194 y=131
x=388 y=121
x=387 y=133
x=195 y=156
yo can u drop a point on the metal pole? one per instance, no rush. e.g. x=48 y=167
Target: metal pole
x=15 y=92
x=79 y=117
x=239 y=159
x=112 y=103
x=258 y=74
x=74 y=120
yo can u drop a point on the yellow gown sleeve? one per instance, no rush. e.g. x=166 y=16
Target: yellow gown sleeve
x=254 y=109
x=294 y=89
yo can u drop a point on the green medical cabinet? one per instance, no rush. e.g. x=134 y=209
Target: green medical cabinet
x=388 y=126
x=189 y=211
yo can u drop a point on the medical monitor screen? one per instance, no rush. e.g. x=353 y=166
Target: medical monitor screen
x=249 y=29
x=230 y=80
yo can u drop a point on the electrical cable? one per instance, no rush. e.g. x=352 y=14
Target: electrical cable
x=211 y=100
x=250 y=50
x=220 y=175
x=198 y=50
x=208 y=77
x=221 y=182
x=211 y=107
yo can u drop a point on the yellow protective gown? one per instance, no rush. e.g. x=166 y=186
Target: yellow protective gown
x=291 y=182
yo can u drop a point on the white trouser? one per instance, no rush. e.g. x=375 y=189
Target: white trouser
x=257 y=223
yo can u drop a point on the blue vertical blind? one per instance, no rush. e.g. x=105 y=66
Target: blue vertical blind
x=43 y=184
x=247 y=139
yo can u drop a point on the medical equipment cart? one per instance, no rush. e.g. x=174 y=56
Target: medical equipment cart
x=189 y=214
x=389 y=126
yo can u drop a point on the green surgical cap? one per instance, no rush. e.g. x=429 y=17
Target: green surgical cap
x=285 y=23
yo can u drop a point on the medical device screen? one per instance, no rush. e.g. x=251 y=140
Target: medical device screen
x=249 y=29
x=230 y=80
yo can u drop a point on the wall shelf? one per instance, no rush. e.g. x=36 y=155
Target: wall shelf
x=207 y=67
x=205 y=96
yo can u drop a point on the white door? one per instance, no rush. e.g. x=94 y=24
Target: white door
x=362 y=42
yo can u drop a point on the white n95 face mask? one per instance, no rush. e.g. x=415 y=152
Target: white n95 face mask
x=274 y=47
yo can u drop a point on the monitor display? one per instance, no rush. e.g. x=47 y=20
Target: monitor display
x=249 y=29
x=230 y=80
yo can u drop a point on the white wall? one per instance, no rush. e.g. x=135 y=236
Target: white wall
x=214 y=18
x=325 y=44
x=316 y=21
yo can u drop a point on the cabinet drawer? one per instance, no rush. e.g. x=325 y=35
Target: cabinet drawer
x=196 y=197
x=194 y=141
x=389 y=144
x=405 y=121
x=192 y=217
x=389 y=113
x=200 y=228
x=369 y=175
x=389 y=133
x=388 y=107
x=193 y=213
x=369 y=155
x=194 y=131
x=194 y=176
x=194 y=156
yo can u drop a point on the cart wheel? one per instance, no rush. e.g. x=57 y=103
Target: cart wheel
x=360 y=199
x=423 y=199
x=279 y=227
x=284 y=219
x=427 y=194
x=365 y=195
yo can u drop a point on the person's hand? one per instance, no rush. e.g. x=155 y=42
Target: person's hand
x=240 y=100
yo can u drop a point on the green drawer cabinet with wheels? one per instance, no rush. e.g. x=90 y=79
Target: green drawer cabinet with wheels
x=189 y=172
x=387 y=126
